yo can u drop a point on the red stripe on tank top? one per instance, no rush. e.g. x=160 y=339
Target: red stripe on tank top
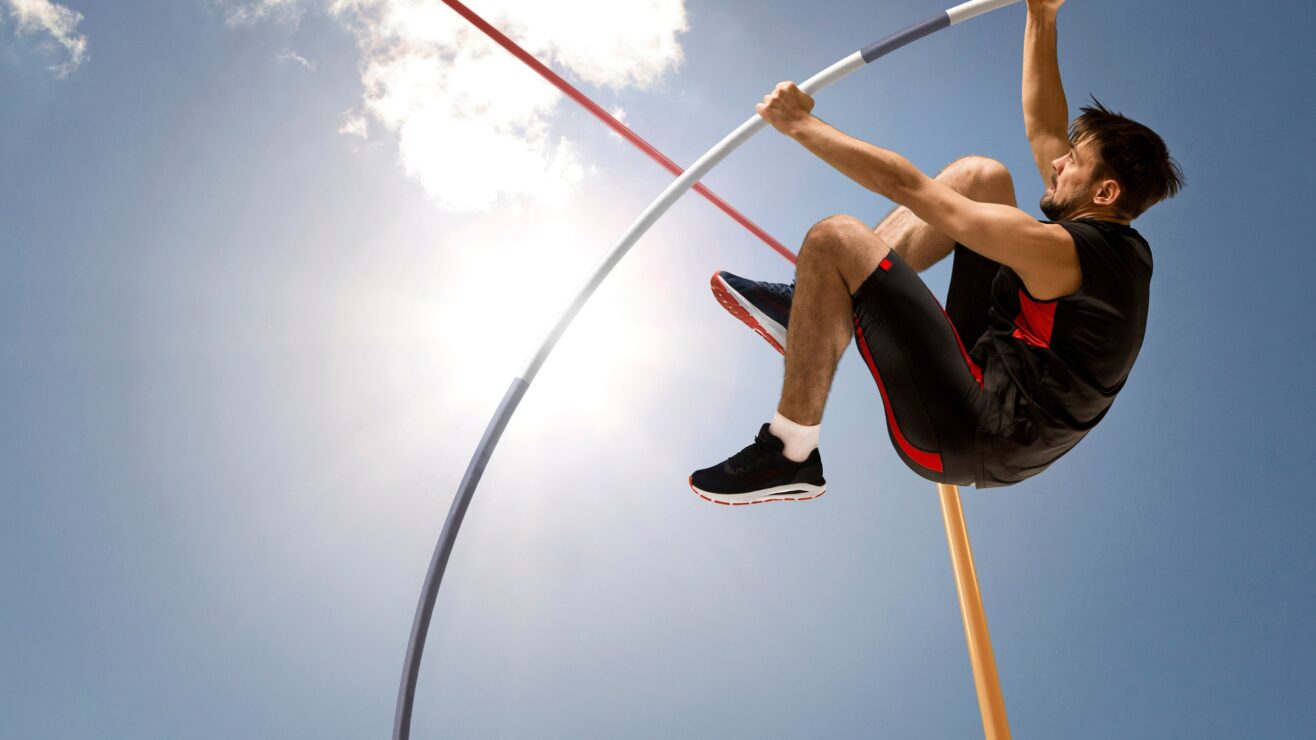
x=929 y=460
x=1035 y=322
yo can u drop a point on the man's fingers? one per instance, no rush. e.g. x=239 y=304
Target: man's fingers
x=784 y=104
x=784 y=89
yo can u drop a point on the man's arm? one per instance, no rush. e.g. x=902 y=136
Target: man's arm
x=1043 y=255
x=1046 y=114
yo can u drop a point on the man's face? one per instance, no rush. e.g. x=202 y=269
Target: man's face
x=1073 y=183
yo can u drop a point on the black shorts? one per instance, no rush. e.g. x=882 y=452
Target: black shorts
x=932 y=391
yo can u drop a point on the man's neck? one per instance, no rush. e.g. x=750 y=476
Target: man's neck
x=1096 y=214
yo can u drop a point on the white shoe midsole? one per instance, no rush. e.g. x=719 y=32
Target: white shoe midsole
x=777 y=331
x=790 y=490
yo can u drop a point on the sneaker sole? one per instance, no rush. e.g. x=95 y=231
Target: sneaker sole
x=737 y=306
x=792 y=492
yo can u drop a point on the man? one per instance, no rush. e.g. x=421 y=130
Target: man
x=1054 y=312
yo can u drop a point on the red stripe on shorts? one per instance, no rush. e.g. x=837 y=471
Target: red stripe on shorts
x=929 y=460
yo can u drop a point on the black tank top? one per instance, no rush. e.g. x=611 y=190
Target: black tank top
x=1055 y=366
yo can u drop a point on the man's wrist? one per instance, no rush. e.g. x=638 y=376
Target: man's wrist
x=801 y=126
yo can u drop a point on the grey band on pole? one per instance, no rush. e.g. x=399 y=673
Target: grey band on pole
x=650 y=215
x=907 y=36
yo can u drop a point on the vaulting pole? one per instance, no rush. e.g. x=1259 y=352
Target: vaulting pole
x=995 y=726
x=517 y=389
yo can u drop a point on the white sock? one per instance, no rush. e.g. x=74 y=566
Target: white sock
x=800 y=439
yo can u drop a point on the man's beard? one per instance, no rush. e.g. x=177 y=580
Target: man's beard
x=1052 y=208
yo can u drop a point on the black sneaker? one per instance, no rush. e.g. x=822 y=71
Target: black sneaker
x=760 y=473
x=764 y=307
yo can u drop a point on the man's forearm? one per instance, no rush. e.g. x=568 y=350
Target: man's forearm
x=1045 y=111
x=880 y=170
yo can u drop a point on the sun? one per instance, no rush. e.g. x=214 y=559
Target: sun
x=437 y=316
x=497 y=297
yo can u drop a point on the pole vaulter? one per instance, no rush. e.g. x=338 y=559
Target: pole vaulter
x=989 y=696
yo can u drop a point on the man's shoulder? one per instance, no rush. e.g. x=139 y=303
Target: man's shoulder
x=1119 y=236
x=1112 y=256
x=1107 y=229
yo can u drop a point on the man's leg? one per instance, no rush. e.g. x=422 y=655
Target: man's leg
x=839 y=253
x=976 y=178
x=783 y=463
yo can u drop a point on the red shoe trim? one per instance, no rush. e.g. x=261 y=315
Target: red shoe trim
x=735 y=309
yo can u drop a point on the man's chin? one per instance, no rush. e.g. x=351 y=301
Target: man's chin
x=1052 y=210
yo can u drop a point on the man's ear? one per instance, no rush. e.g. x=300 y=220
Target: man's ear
x=1107 y=193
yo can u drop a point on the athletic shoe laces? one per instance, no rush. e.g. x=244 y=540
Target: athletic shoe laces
x=783 y=291
x=765 y=447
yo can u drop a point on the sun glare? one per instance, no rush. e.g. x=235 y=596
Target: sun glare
x=496 y=302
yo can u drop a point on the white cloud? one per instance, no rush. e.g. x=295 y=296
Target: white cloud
x=606 y=42
x=288 y=55
x=355 y=124
x=247 y=13
x=60 y=23
x=473 y=124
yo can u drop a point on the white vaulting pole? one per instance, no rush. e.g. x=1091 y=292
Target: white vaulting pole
x=650 y=215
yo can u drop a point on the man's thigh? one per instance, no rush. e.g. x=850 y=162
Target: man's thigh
x=930 y=389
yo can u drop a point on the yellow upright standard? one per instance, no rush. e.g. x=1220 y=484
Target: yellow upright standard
x=995 y=726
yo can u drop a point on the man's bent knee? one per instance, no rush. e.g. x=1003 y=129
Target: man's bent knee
x=846 y=243
x=836 y=236
x=834 y=230
x=980 y=178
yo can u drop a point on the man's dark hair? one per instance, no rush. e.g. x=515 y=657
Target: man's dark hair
x=1132 y=155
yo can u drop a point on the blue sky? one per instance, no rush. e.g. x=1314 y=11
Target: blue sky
x=245 y=354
